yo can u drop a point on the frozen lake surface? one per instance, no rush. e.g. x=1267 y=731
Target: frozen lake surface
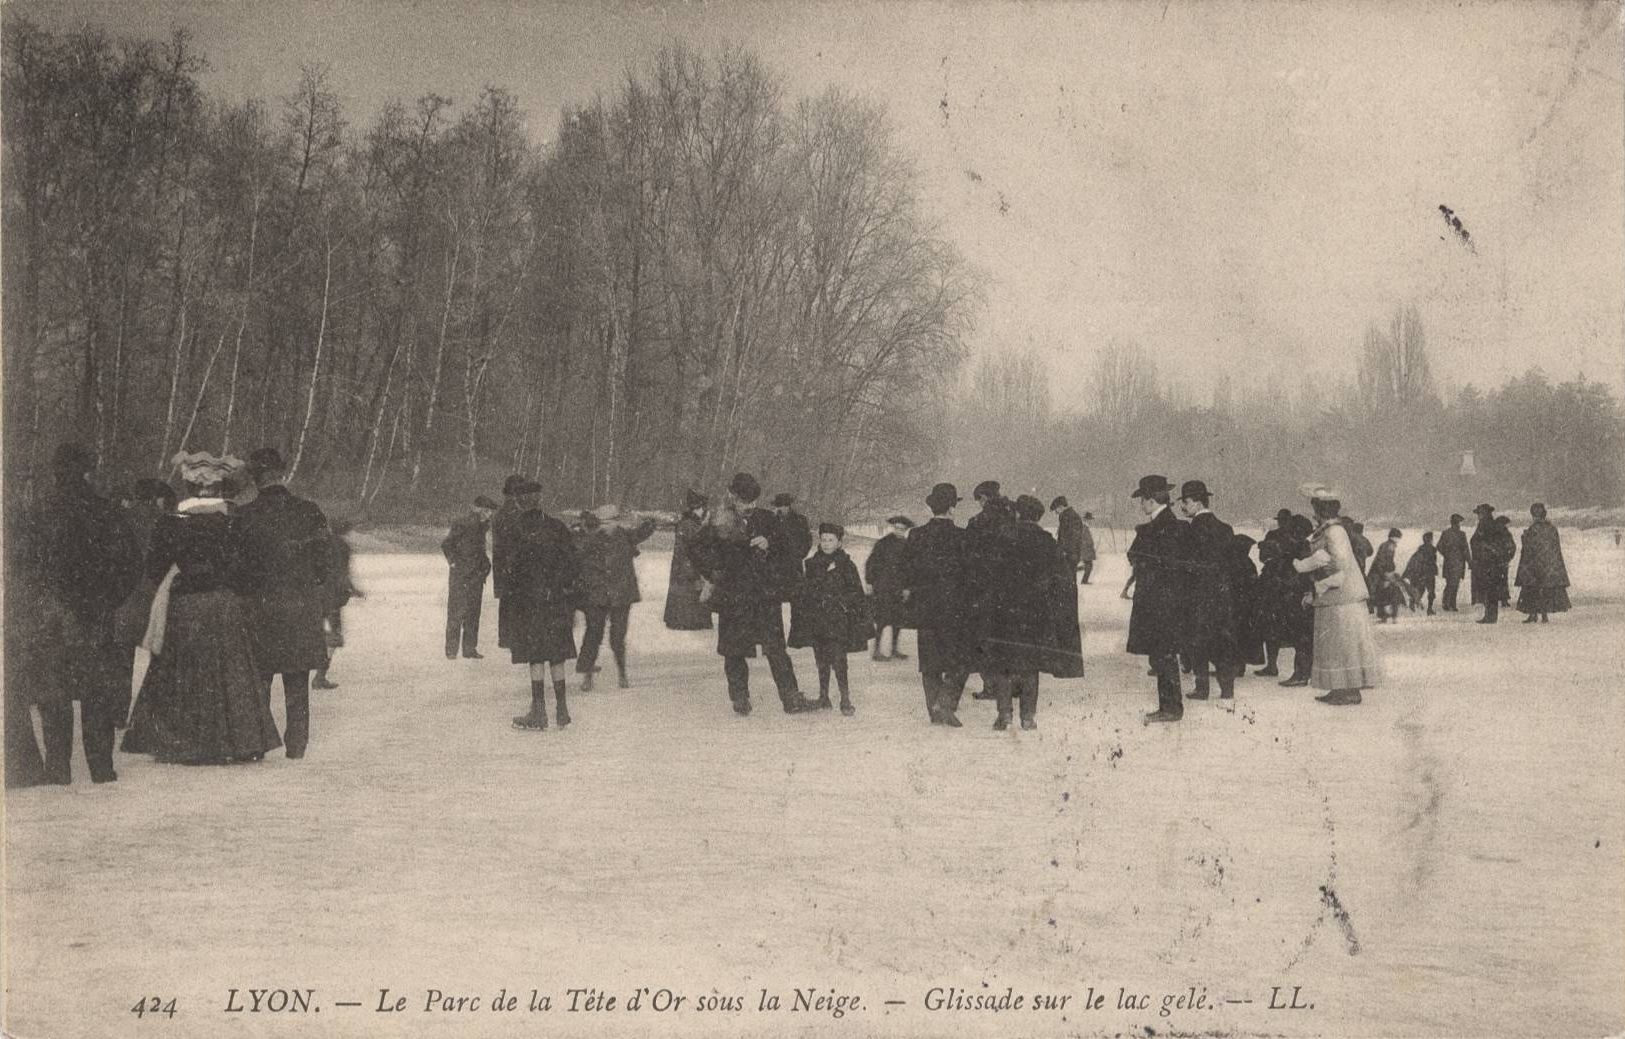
x=1444 y=860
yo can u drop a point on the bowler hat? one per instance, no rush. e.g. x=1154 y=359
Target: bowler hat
x=744 y=487
x=483 y=502
x=986 y=489
x=1482 y=509
x=1088 y=515
x=1194 y=489
x=942 y=496
x=1028 y=508
x=1393 y=532
x=1151 y=486
x=832 y=528
x=1283 y=515
x=511 y=485
x=783 y=499
x=899 y=521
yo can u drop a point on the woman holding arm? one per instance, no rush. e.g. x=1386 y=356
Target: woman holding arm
x=1345 y=659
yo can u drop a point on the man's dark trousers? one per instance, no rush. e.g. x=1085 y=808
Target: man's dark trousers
x=296 y=697
x=1451 y=585
x=618 y=617
x=96 y=729
x=464 y=598
x=1169 y=700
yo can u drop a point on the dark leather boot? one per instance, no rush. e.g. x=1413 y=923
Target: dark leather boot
x=537 y=718
x=563 y=712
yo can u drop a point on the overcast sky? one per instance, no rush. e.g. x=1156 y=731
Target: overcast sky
x=1234 y=187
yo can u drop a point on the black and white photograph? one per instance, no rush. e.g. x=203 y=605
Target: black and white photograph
x=897 y=518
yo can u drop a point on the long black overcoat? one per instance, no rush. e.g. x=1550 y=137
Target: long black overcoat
x=1158 y=555
x=288 y=540
x=1213 y=605
x=544 y=587
x=684 y=610
x=831 y=606
x=884 y=572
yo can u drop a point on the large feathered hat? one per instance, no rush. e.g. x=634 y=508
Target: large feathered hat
x=206 y=470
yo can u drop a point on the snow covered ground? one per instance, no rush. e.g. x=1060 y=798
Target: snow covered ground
x=1443 y=860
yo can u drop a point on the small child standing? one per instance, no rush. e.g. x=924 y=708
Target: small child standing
x=830 y=613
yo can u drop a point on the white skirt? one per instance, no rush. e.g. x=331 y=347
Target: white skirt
x=1345 y=656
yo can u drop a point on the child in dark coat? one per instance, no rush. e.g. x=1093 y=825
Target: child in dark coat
x=830 y=614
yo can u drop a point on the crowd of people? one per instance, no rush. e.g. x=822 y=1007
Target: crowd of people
x=241 y=581
x=236 y=583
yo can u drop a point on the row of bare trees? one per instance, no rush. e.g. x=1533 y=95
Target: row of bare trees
x=1383 y=432
x=695 y=275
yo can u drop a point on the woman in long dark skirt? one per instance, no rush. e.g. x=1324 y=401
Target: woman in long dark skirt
x=1543 y=578
x=1244 y=579
x=201 y=701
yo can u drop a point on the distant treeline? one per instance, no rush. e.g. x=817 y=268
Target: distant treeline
x=694 y=275
x=1384 y=434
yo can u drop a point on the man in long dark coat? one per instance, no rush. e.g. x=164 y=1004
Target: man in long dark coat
x=468 y=565
x=984 y=559
x=609 y=585
x=289 y=541
x=502 y=535
x=545 y=588
x=1156 y=626
x=933 y=584
x=1491 y=549
x=736 y=553
x=1019 y=642
x=1213 y=603
x=883 y=571
x=76 y=560
x=1453 y=554
x=792 y=546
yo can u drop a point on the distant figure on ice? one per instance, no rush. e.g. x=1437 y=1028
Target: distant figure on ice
x=1382 y=580
x=684 y=610
x=1069 y=531
x=1422 y=570
x=288 y=538
x=609 y=585
x=340 y=589
x=1156 y=626
x=1345 y=657
x=1542 y=576
x=934 y=578
x=831 y=614
x=76 y=560
x=1492 y=550
x=204 y=699
x=543 y=591
x=735 y=553
x=468 y=565
x=884 y=572
x=502 y=535
x=1212 y=602
x=1453 y=556
x=146 y=500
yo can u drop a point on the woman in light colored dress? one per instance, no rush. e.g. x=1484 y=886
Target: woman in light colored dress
x=1345 y=656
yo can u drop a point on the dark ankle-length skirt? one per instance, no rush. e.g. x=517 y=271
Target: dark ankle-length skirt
x=201 y=700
